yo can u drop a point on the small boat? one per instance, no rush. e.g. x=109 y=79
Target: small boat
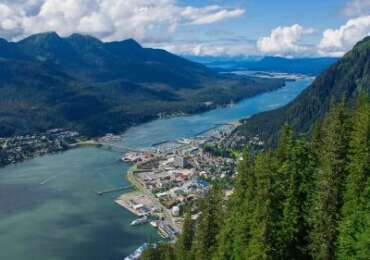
x=138 y=252
x=154 y=223
x=139 y=221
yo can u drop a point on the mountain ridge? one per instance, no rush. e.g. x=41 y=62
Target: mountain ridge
x=310 y=66
x=343 y=79
x=81 y=83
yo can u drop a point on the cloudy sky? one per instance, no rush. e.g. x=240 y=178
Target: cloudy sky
x=200 y=27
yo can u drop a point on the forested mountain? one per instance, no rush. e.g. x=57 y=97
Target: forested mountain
x=343 y=79
x=92 y=59
x=303 y=200
x=81 y=83
x=309 y=197
x=309 y=66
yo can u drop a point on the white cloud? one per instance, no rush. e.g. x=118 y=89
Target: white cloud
x=357 y=8
x=108 y=19
x=336 y=42
x=284 y=41
x=210 y=14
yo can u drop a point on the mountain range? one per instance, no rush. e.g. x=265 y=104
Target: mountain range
x=308 y=66
x=82 y=83
x=344 y=79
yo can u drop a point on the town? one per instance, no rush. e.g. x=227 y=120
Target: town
x=171 y=175
x=18 y=148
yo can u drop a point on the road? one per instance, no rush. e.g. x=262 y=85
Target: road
x=167 y=213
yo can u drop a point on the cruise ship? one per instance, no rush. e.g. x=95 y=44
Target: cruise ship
x=139 y=221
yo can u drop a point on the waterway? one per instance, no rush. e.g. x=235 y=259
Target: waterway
x=49 y=209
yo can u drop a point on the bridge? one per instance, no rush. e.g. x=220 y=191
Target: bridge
x=117 y=147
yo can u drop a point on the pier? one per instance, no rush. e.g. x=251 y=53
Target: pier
x=100 y=193
x=160 y=143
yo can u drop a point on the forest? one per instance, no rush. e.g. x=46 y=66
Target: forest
x=308 y=198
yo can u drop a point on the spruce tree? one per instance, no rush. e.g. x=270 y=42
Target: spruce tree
x=329 y=179
x=282 y=183
x=185 y=240
x=209 y=224
x=262 y=225
x=291 y=186
x=236 y=232
x=294 y=228
x=354 y=237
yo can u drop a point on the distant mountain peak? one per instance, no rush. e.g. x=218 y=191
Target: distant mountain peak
x=132 y=43
x=3 y=41
x=83 y=37
x=42 y=37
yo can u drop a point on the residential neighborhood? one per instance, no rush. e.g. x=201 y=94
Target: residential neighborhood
x=19 y=148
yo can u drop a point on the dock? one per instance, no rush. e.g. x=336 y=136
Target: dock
x=160 y=143
x=100 y=193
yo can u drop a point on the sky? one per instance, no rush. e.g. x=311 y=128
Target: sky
x=289 y=28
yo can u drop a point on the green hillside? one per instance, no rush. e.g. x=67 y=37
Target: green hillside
x=343 y=79
x=81 y=83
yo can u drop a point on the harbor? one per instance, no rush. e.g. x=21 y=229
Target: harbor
x=171 y=175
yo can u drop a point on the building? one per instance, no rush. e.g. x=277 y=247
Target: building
x=175 y=211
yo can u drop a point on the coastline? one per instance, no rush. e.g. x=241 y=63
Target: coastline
x=92 y=142
x=142 y=196
x=75 y=145
x=130 y=177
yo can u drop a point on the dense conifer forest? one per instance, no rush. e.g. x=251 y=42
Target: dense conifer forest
x=309 y=198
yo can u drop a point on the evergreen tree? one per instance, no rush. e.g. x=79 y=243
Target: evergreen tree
x=161 y=251
x=236 y=232
x=293 y=229
x=329 y=179
x=354 y=237
x=290 y=192
x=262 y=240
x=282 y=183
x=285 y=144
x=210 y=222
x=185 y=240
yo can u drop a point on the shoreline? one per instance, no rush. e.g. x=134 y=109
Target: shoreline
x=141 y=191
x=76 y=145
x=130 y=177
x=93 y=143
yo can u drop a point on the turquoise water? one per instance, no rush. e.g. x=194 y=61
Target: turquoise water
x=48 y=205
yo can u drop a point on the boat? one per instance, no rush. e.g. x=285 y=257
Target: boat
x=137 y=253
x=139 y=221
x=154 y=223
